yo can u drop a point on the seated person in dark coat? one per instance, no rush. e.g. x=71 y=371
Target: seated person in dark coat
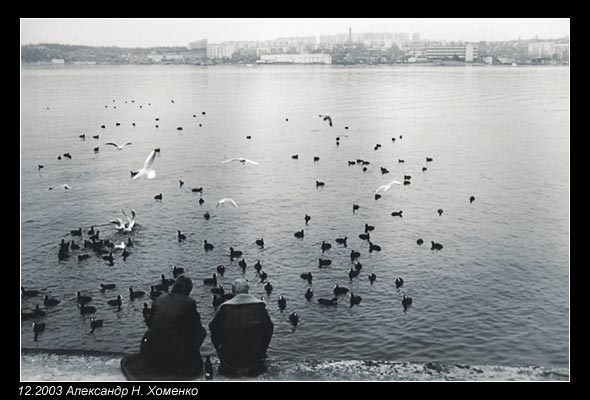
x=171 y=345
x=241 y=331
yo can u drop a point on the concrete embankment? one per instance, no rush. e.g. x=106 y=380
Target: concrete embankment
x=51 y=365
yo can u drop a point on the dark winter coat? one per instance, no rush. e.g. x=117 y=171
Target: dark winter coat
x=172 y=343
x=241 y=331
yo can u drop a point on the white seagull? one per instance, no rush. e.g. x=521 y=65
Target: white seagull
x=121 y=246
x=240 y=159
x=385 y=188
x=222 y=201
x=147 y=167
x=66 y=186
x=125 y=227
x=117 y=146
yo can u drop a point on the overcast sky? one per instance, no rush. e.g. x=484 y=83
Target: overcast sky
x=179 y=32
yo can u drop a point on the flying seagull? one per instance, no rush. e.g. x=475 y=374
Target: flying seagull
x=385 y=188
x=117 y=146
x=125 y=227
x=240 y=159
x=222 y=201
x=147 y=167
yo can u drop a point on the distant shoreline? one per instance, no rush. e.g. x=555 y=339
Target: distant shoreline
x=65 y=65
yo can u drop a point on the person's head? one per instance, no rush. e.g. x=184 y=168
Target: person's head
x=240 y=286
x=182 y=285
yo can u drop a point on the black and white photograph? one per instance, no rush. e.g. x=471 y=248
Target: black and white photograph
x=294 y=200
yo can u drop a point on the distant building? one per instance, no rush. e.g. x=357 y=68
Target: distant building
x=466 y=53
x=319 y=58
x=541 y=49
x=416 y=36
x=200 y=44
x=221 y=51
x=58 y=61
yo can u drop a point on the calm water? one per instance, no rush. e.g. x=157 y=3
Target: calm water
x=498 y=293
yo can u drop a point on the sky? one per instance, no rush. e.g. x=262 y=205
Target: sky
x=179 y=32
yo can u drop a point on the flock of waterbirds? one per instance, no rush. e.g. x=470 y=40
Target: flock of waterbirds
x=105 y=248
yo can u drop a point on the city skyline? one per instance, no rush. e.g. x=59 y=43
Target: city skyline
x=179 y=32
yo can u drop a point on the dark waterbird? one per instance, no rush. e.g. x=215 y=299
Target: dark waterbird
x=84 y=309
x=263 y=276
x=207 y=215
x=428 y=159
x=38 y=328
x=354 y=255
x=307 y=276
x=197 y=190
x=220 y=270
x=471 y=199
x=316 y=158
x=353 y=273
x=308 y=294
x=365 y=236
x=372 y=278
x=220 y=291
x=166 y=281
x=177 y=271
x=355 y=300
x=25 y=316
x=258 y=267
x=324 y=263
x=399 y=282
x=39 y=167
x=180 y=182
x=339 y=290
x=329 y=119
x=341 y=240
x=242 y=264
x=358 y=266
x=397 y=213
x=76 y=232
x=355 y=207
x=384 y=171
x=47 y=302
x=208 y=246
x=81 y=299
x=319 y=183
x=134 y=294
x=307 y=218
x=294 y=319
x=249 y=137
x=326 y=246
x=74 y=246
x=158 y=196
x=95 y=324
x=180 y=236
x=260 y=242
x=201 y=201
x=419 y=241
x=295 y=156
x=328 y=302
x=439 y=211
x=436 y=246
x=211 y=281
x=373 y=247
x=406 y=302
x=282 y=303
x=125 y=254
x=424 y=169
x=369 y=228
x=268 y=288
x=28 y=293
x=377 y=196
x=115 y=302
x=299 y=234
x=234 y=253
